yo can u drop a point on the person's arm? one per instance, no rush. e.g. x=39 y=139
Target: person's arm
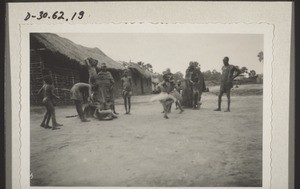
x=122 y=83
x=112 y=81
x=89 y=93
x=238 y=72
x=52 y=93
x=130 y=82
x=41 y=90
x=86 y=61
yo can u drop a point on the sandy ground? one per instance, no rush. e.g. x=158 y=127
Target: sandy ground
x=196 y=148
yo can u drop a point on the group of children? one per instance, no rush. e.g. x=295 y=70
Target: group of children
x=98 y=93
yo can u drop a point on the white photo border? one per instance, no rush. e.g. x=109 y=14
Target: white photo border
x=229 y=28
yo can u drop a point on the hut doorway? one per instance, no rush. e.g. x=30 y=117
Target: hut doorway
x=142 y=85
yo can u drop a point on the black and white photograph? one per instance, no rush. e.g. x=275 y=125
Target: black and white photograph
x=158 y=94
x=146 y=110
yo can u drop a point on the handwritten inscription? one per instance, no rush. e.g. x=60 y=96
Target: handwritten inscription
x=57 y=15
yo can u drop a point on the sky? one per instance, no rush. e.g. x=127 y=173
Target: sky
x=175 y=51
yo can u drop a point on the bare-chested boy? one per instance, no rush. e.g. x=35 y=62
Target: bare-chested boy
x=127 y=91
x=91 y=65
x=48 y=97
x=80 y=93
x=227 y=78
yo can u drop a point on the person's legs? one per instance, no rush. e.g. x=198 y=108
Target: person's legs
x=129 y=104
x=179 y=106
x=78 y=106
x=219 y=101
x=199 y=100
x=45 y=118
x=165 y=110
x=125 y=103
x=169 y=108
x=168 y=105
x=48 y=118
x=79 y=110
x=228 y=100
x=114 y=109
x=52 y=110
x=196 y=100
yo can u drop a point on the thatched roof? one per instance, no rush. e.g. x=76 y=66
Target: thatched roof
x=79 y=53
x=141 y=71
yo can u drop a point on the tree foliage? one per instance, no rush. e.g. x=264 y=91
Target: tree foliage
x=145 y=66
x=213 y=75
x=178 y=76
x=244 y=69
x=261 y=56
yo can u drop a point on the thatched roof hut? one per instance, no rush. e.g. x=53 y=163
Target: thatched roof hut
x=76 y=53
x=135 y=68
x=141 y=78
x=65 y=59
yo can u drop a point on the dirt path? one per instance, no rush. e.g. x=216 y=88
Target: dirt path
x=196 y=148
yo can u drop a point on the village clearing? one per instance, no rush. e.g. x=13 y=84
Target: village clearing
x=196 y=148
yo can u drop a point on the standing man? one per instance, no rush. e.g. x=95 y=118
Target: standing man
x=227 y=78
x=80 y=93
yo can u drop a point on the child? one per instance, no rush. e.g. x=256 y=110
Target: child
x=48 y=98
x=164 y=97
x=176 y=93
x=100 y=110
x=92 y=65
x=173 y=90
x=126 y=93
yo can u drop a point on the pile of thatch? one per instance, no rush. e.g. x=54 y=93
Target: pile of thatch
x=74 y=52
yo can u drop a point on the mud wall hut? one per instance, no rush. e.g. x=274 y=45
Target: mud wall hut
x=65 y=59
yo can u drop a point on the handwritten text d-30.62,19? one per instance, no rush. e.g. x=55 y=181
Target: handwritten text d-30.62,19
x=57 y=15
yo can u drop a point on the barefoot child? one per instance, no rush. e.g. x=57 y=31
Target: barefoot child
x=164 y=97
x=91 y=65
x=171 y=85
x=48 y=97
x=126 y=93
x=176 y=93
